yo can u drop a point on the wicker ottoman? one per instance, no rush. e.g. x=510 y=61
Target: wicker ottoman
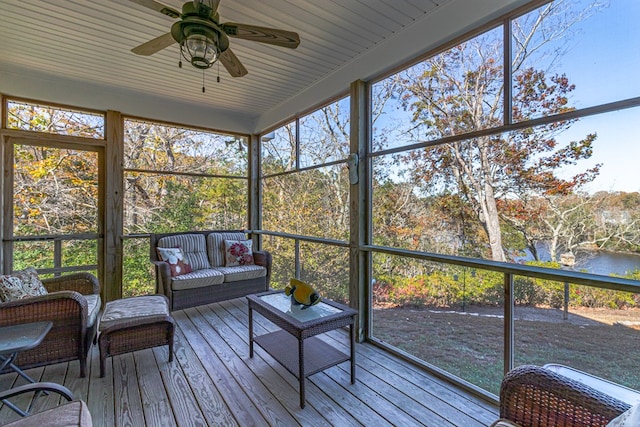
x=135 y=323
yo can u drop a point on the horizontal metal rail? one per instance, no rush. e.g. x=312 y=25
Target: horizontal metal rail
x=57 y=240
x=47 y=237
x=577 y=277
x=332 y=242
x=72 y=269
x=509 y=270
x=540 y=121
x=184 y=173
x=305 y=168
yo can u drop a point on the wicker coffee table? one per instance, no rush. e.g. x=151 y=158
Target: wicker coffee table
x=299 y=328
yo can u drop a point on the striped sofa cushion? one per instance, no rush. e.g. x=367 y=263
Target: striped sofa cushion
x=242 y=272
x=197 y=279
x=193 y=247
x=215 y=245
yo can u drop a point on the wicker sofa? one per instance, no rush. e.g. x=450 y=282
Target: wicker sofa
x=534 y=396
x=72 y=305
x=210 y=281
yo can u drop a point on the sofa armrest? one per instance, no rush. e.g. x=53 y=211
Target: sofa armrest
x=531 y=395
x=264 y=259
x=84 y=283
x=163 y=278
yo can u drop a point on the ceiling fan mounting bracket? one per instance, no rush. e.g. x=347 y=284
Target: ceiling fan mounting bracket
x=203 y=39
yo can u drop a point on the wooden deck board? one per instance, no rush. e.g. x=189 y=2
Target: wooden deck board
x=271 y=380
x=316 y=398
x=243 y=409
x=272 y=409
x=208 y=396
x=156 y=404
x=100 y=399
x=366 y=414
x=128 y=403
x=212 y=381
x=46 y=374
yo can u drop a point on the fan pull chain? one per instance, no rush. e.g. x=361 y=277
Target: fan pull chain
x=202 y=81
x=218 y=71
x=179 y=60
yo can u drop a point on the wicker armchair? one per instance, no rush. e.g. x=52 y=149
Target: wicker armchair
x=69 y=413
x=534 y=396
x=74 y=318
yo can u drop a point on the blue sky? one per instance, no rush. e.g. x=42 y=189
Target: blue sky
x=602 y=58
x=604 y=63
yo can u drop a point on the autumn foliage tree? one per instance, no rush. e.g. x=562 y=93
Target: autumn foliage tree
x=54 y=189
x=461 y=91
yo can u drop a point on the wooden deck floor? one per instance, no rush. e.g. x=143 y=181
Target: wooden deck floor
x=213 y=382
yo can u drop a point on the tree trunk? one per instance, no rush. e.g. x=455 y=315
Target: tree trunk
x=492 y=224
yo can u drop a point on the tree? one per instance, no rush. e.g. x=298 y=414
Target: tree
x=176 y=191
x=306 y=192
x=55 y=190
x=461 y=91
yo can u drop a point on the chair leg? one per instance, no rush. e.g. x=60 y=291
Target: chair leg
x=171 y=338
x=83 y=367
x=102 y=363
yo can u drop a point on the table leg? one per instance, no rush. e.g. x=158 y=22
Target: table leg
x=301 y=371
x=250 y=331
x=15 y=408
x=8 y=361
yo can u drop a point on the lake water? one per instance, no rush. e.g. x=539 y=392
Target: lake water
x=596 y=262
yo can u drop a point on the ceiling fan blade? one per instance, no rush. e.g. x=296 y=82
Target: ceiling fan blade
x=155 y=45
x=158 y=7
x=272 y=36
x=232 y=64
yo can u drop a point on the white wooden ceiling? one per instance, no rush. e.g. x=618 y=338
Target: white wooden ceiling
x=78 y=52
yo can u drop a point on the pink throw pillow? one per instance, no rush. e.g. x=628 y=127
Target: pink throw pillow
x=238 y=252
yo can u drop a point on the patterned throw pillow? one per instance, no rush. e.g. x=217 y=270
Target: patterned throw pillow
x=175 y=258
x=21 y=284
x=238 y=252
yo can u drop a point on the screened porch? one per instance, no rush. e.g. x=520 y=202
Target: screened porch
x=475 y=201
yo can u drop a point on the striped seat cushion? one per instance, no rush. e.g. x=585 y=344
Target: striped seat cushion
x=242 y=272
x=122 y=310
x=197 y=279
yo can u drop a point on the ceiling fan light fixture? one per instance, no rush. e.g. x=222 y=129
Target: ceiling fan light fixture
x=200 y=49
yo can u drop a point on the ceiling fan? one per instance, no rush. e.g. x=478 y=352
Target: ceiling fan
x=203 y=39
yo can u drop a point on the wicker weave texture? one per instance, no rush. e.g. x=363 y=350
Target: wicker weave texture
x=136 y=334
x=185 y=298
x=533 y=396
x=66 y=308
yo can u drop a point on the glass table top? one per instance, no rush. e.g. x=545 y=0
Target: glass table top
x=17 y=338
x=282 y=302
